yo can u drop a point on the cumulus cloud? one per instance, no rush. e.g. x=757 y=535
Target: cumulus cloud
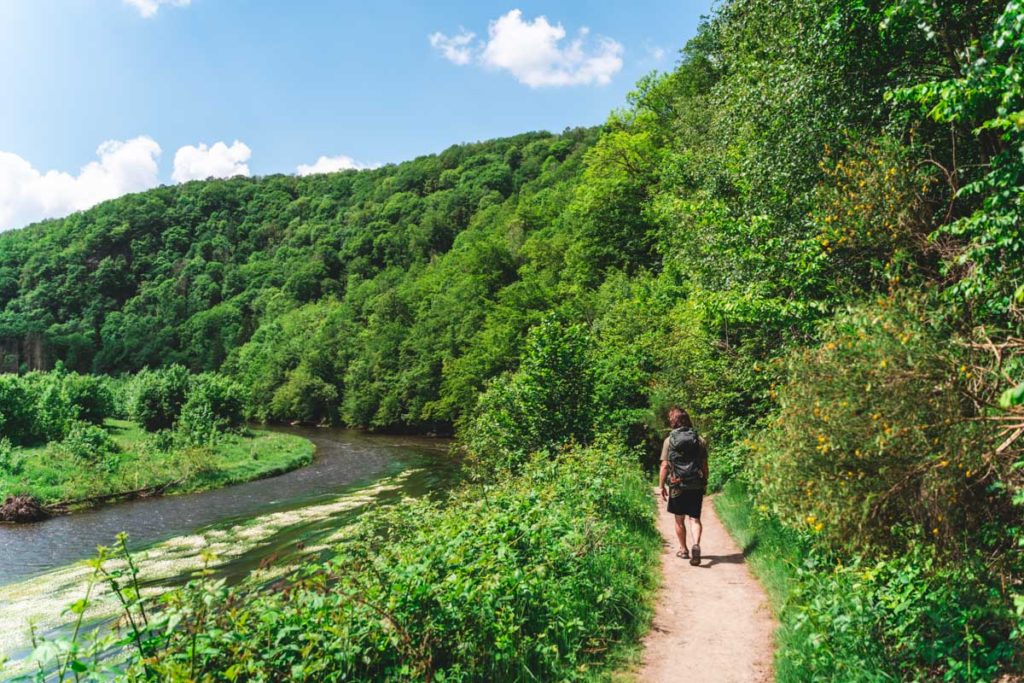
x=536 y=52
x=148 y=8
x=331 y=164
x=456 y=49
x=217 y=161
x=27 y=195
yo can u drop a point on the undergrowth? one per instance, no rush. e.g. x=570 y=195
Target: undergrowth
x=539 y=577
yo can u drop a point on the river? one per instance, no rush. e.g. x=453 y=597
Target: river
x=263 y=526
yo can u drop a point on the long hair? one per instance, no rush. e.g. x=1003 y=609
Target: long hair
x=677 y=417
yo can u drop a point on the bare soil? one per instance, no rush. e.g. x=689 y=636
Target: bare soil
x=712 y=622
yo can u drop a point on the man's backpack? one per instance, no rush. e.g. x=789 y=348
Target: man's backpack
x=686 y=459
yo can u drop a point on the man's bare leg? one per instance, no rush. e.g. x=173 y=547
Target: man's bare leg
x=695 y=528
x=681 y=532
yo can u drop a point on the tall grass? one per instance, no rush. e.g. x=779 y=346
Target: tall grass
x=869 y=617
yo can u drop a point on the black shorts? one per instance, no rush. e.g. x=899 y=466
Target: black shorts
x=682 y=502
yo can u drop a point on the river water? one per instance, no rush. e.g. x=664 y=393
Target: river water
x=263 y=526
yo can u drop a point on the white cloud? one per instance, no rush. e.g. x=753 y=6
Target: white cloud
x=148 y=8
x=217 y=161
x=331 y=164
x=656 y=53
x=535 y=52
x=26 y=195
x=456 y=48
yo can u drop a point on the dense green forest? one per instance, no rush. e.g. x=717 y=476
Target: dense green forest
x=808 y=232
x=376 y=298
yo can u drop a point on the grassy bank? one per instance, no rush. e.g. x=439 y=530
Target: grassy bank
x=54 y=474
x=872 y=617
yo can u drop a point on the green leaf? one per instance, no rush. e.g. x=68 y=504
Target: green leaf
x=1012 y=397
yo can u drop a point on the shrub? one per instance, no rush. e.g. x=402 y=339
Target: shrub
x=43 y=406
x=120 y=389
x=213 y=405
x=17 y=410
x=88 y=442
x=55 y=414
x=91 y=395
x=197 y=425
x=899 y=618
x=870 y=213
x=156 y=397
x=305 y=397
x=223 y=397
x=874 y=431
x=546 y=403
x=162 y=441
x=10 y=462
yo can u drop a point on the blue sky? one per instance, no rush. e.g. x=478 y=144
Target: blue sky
x=359 y=82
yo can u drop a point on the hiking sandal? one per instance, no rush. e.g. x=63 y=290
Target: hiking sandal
x=695 y=557
x=683 y=554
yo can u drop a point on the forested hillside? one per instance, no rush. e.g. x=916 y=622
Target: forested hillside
x=809 y=233
x=334 y=296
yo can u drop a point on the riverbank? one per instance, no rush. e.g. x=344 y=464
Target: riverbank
x=262 y=548
x=541 y=575
x=64 y=481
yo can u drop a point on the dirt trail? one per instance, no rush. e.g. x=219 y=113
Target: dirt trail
x=712 y=622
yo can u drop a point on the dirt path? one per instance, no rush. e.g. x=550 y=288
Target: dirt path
x=712 y=622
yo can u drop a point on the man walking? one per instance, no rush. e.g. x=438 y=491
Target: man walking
x=684 y=466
